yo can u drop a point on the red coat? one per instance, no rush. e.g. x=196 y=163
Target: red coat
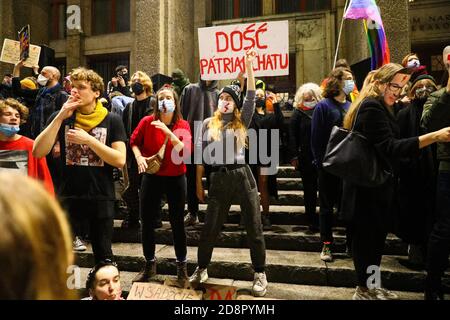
x=150 y=139
x=37 y=168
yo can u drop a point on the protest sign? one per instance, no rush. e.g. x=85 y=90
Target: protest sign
x=154 y=291
x=24 y=40
x=11 y=53
x=219 y=292
x=223 y=48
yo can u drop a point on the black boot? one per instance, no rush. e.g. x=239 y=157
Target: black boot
x=147 y=273
x=182 y=271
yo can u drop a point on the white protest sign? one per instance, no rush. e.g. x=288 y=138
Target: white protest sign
x=11 y=53
x=223 y=48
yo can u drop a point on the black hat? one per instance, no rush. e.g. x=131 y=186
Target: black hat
x=423 y=77
x=235 y=92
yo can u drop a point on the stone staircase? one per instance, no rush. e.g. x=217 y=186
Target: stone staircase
x=294 y=268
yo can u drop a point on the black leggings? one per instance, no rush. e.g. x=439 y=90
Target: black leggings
x=152 y=189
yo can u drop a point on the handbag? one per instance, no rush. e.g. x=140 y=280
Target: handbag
x=154 y=162
x=353 y=158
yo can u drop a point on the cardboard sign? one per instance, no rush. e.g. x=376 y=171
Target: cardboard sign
x=219 y=292
x=11 y=53
x=222 y=49
x=24 y=40
x=154 y=291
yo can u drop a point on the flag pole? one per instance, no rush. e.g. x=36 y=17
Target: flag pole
x=340 y=34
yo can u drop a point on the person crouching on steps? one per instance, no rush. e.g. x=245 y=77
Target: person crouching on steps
x=230 y=179
x=166 y=125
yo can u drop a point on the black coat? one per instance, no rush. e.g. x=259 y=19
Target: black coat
x=380 y=127
x=300 y=138
x=417 y=181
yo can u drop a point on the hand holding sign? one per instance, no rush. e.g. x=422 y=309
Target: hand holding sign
x=250 y=56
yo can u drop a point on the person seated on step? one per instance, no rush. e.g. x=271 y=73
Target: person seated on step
x=103 y=282
x=230 y=179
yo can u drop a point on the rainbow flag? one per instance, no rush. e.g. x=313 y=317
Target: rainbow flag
x=373 y=25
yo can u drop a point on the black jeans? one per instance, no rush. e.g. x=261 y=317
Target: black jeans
x=152 y=189
x=131 y=196
x=191 y=178
x=308 y=173
x=330 y=190
x=439 y=241
x=224 y=188
x=100 y=217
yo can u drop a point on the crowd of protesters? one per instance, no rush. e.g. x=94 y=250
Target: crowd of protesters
x=74 y=135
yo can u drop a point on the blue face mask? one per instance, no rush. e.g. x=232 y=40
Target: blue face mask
x=9 y=130
x=348 y=86
x=166 y=106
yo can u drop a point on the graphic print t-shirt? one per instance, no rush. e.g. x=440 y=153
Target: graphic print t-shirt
x=85 y=175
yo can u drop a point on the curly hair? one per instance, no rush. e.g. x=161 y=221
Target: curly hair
x=83 y=74
x=334 y=83
x=13 y=103
x=311 y=88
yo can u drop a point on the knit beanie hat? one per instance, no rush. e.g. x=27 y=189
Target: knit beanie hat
x=235 y=92
x=423 y=77
x=28 y=84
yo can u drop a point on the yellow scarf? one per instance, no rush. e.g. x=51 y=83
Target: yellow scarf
x=87 y=122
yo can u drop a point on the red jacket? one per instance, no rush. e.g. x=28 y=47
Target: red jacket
x=37 y=168
x=150 y=139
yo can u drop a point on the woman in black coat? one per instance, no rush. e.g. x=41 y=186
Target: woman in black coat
x=417 y=178
x=369 y=209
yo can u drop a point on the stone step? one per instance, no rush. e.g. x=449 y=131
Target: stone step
x=285 y=198
x=281 y=291
x=283 y=184
x=281 y=215
x=290 y=267
x=288 y=172
x=281 y=237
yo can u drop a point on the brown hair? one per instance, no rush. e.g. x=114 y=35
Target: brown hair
x=13 y=103
x=426 y=82
x=177 y=113
x=35 y=242
x=145 y=80
x=334 y=84
x=383 y=75
x=83 y=74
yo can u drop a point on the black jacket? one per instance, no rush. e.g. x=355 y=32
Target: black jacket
x=300 y=135
x=417 y=181
x=380 y=127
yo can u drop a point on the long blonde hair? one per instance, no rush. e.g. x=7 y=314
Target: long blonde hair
x=383 y=75
x=216 y=128
x=35 y=242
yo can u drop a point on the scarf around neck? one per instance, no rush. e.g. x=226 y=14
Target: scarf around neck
x=87 y=122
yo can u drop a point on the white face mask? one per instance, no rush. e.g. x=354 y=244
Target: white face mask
x=42 y=80
x=225 y=107
x=310 y=104
x=413 y=64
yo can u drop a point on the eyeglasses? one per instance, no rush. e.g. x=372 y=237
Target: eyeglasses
x=395 y=88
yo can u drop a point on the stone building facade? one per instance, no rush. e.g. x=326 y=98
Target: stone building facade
x=159 y=36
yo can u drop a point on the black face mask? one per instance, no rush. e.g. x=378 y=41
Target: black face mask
x=137 y=88
x=261 y=103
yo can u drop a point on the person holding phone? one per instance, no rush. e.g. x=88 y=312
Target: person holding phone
x=120 y=82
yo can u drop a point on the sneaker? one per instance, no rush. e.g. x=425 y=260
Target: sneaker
x=366 y=294
x=147 y=273
x=260 y=284
x=190 y=219
x=199 y=275
x=266 y=223
x=383 y=294
x=78 y=245
x=326 y=255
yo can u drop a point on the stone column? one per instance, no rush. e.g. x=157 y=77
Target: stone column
x=75 y=40
x=268 y=7
x=6 y=31
x=148 y=41
x=395 y=14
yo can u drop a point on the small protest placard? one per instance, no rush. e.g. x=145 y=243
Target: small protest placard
x=11 y=53
x=24 y=40
x=154 y=291
x=219 y=292
x=223 y=48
